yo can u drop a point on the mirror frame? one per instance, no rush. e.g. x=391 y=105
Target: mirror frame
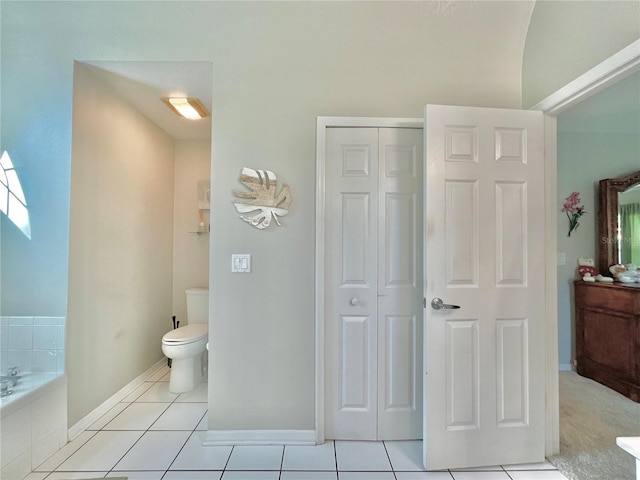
x=608 y=217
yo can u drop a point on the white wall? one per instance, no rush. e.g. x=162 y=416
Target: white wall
x=597 y=139
x=121 y=248
x=567 y=38
x=581 y=165
x=190 y=250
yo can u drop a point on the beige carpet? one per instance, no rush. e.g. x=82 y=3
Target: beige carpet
x=591 y=417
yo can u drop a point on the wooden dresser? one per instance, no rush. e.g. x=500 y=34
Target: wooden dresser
x=608 y=335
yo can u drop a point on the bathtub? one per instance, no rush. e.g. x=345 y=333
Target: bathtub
x=33 y=418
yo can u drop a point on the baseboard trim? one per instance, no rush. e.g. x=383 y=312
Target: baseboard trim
x=112 y=401
x=259 y=437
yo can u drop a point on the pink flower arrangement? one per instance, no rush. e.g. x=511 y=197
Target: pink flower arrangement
x=573 y=210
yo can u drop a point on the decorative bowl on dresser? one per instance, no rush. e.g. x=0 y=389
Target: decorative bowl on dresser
x=608 y=335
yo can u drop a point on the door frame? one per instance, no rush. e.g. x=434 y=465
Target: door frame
x=610 y=71
x=322 y=124
x=613 y=69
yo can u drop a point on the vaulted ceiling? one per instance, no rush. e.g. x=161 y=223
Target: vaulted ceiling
x=494 y=32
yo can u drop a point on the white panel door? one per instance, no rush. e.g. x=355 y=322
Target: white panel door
x=484 y=361
x=373 y=283
x=400 y=286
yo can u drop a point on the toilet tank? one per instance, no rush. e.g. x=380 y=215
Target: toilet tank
x=197 y=305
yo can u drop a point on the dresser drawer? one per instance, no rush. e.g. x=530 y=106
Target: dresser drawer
x=612 y=298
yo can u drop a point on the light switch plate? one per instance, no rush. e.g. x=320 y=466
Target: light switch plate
x=240 y=263
x=562 y=258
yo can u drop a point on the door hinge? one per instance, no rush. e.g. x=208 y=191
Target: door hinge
x=424 y=302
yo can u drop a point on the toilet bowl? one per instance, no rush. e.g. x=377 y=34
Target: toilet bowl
x=186 y=346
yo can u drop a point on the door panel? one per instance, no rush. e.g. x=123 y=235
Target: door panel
x=399 y=255
x=351 y=289
x=355 y=354
x=511 y=233
x=400 y=364
x=485 y=236
x=461 y=233
x=462 y=374
x=354 y=237
x=513 y=372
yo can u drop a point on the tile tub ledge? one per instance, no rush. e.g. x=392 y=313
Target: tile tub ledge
x=35 y=386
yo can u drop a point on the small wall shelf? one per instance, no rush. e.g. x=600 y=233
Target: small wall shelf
x=201 y=229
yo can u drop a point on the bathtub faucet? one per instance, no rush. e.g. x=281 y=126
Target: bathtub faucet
x=9 y=381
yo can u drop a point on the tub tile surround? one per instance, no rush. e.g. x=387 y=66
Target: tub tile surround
x=33 y=419
x=33 y=427
x=152 y=434
x=33 y=344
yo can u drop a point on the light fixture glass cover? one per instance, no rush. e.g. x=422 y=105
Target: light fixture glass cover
x=190 y=108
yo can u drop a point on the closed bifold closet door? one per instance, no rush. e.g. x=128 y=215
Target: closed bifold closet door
x=374 y=284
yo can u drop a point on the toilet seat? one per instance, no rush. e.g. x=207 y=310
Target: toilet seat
x=186 y=335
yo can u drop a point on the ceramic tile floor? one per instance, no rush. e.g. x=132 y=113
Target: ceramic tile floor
x=154 y=435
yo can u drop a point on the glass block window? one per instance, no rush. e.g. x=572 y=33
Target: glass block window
x=12 y=200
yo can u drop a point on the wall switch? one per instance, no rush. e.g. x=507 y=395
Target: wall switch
x=562 y=258
x=240 y=263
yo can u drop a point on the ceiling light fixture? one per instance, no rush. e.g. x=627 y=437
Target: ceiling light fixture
x=190 y=108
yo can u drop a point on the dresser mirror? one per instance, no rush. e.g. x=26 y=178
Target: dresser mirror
x=615 y=192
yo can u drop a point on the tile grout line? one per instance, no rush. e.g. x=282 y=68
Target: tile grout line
x=144 y=431
x=183 y=445
x=281 y=462
x=175 y=400
x=224 y=469
x=393 y=470
x=68 y=456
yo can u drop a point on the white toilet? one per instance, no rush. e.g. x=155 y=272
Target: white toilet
x=185 y=345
